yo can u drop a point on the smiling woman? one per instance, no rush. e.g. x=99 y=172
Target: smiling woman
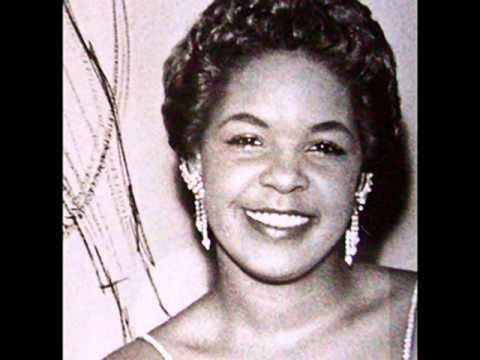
x=280 y=113
x=292 y=160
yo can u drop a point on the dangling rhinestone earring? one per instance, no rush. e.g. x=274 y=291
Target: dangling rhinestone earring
x=352 y=237
x=195 y=184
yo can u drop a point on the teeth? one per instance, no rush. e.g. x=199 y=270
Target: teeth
x=277 y=220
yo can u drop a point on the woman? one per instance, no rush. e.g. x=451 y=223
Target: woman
x=281 y=112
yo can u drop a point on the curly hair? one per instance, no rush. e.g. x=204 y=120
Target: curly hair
x=338 y=33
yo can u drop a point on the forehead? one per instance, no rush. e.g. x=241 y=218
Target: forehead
x=286 y=87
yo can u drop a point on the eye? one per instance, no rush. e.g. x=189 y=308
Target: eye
x=326 y=148
x=245 y=141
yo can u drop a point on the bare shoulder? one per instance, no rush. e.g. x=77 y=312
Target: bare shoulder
x=396 y=282
x=136 y=350
x=179 y=336
x=381 y=302
x=384 y=290
x=401 y=287
x=389 y=291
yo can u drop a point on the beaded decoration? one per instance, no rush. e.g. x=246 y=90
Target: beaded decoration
x=195 y=184
x=408 y=341
x=352 y=237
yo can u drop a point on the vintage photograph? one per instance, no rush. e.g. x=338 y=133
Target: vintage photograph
x=239 y=179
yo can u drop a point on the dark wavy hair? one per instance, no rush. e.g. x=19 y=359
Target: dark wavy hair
x=337 y=33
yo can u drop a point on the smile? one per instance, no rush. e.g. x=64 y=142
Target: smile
x=279 y=220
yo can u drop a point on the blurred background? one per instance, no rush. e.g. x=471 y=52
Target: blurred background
x=130 y=253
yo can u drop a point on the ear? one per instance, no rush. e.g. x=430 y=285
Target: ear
x=194 y=164
x=364 y=188
x=361 y=181
x=191 y=172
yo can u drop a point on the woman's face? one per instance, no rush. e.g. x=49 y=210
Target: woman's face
x=280 y=162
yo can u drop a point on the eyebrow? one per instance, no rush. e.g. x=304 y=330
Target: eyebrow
x=331 y=126
x=319 y=127
x=247 y=118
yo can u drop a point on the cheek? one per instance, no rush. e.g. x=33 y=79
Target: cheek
x=225 y=181
x=334 y=192
x=225 y=177
x=336 y=180
x=340 y=189
x=338 y=208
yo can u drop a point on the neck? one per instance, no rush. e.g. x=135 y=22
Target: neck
x=261 y=308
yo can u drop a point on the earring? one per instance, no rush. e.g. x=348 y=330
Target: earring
x=195 y=184
x=352 y=237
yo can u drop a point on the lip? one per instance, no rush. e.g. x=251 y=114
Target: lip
x=279 y=233
x=282 y=212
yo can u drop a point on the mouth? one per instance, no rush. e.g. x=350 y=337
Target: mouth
x=278 y=219
x=279 y=224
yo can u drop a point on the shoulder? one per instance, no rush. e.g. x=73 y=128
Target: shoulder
x=136 y=350
x=395 y=282
x=400 y=285
x=379 y=287
x=382 y=299
x=179 y=336
x=386 y=288
x=390 y=288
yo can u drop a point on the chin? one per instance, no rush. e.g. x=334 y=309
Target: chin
x=277 y=272
x=270 y=255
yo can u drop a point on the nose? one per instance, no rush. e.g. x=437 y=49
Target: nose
x=284 y=174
